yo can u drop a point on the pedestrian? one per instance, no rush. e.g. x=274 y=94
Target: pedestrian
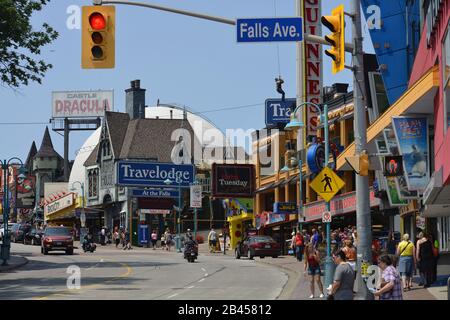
x=350 y=253
x=154 y=238
x=212 y=240
x=306 y=236
x=103 y=236
x=391 y=245
x=168 y=237
x=406 y=262
x=122 y=238
x=315 y=238
x=163 y=241
x=293 y=242
x=391 y=285
x=425 y=259
x=312 y=264
x=344 y=278
x=116 y=237
x=299 y=246
x=127 y=240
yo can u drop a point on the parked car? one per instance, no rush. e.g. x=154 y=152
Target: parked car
x=258 y=246
x=18 y=231
x=33 y=236
x=57 y=239
x=2 y=230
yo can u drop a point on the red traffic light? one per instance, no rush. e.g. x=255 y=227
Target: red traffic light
x=97 y=21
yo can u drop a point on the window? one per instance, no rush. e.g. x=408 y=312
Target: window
x=93 y=183
x=446 y=78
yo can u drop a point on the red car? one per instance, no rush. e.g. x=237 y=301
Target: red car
x=258 y=246
x=57 y=239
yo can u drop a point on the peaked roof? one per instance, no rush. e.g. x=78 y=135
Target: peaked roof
x=46 y=149
x=151 y=139
x=31 y=154
x=117 y=124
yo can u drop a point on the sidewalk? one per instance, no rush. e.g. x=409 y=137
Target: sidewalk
x=301 y=288
x=13 y=263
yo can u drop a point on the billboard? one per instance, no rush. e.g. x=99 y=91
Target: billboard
x=25 y=192
x=233 y=180
x=412 y=140
x=148 y=174
x=81 y=104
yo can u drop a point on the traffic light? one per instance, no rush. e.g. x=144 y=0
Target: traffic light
x=336 y=24
x=98 y=37
x=393 y=166
x=364 y=164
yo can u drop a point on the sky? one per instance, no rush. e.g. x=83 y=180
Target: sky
x=179 y=59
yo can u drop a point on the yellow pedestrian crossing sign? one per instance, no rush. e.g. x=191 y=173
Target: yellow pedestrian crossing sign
x=327 y=184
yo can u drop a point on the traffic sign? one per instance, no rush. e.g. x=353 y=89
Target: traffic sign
x=269 y=29
x=327 y=184
x=326 y=217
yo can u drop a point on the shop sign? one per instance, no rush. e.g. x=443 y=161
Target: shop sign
x=314 y=63
x=274 y=218
x=154 y=211
x=81 y=104
x=420 y=222
x=278 y=111
x=59 y=204
x=284 y=207
x=411 y=207
x=155 y=193
x=134 y=173
x=230 y=180
x=342 y=204
x=196 y=196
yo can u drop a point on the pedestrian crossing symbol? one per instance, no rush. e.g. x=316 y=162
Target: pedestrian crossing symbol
x=327 y=184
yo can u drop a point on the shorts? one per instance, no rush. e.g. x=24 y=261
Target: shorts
x=312 y=271
x=212 y=242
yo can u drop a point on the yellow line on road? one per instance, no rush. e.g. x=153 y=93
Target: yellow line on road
x=91 y=286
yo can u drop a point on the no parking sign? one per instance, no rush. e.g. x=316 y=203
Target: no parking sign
x=326 y=217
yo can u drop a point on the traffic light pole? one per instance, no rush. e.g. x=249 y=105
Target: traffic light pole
x=306 y=36
x=363 y=219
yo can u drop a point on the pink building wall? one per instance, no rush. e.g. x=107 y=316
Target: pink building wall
x=425 y=59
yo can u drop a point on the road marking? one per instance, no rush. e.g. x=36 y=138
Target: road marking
x=203 y=269
x=202 y=279
x=173 y=295
x=206 y=274
x=101 y=260
x=91 y=286
x=190 y=287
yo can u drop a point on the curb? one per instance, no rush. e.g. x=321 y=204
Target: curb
x=290 y=285
x=14 y=266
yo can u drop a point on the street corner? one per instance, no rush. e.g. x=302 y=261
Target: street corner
x=14 y=262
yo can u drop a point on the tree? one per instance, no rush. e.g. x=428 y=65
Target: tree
x=20 y=44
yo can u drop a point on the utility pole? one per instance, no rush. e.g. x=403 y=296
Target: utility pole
x=363 y=219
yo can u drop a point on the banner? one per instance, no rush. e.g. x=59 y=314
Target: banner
x=196 y=196
x=234 y=207
x=393 y=193
x=412 y=139
x=81 y=104
x=25 y=192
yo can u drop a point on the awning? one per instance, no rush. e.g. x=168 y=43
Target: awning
x=268 y=187
x=418 y=99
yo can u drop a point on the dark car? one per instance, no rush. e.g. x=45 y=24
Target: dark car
x=33 y=236
x=18 y=231
x=258 y=246
x=57 y=239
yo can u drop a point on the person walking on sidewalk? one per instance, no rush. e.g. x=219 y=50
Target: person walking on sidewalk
x=116 y=237
x=168 y=239
x=344 y=278
x=154 y=238
x=312 y=264
x=350 y=253
x=299 y=246
x=425 y=259
x=391 y=284
x=127 y=240
x=406 y=264
x=212 y=240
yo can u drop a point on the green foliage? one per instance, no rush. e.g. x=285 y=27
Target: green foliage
x=20 y=44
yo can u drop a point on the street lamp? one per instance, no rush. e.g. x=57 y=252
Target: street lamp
x=6 y=242
x=298 y=124
x=82 y=215
x=168 y=182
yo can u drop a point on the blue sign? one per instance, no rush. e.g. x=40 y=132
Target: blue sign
x=269 y=29
x=285 y=207
x=143 y=234
x=278 y=111
x=316 y=158
x=155 y=193
x=134 y=173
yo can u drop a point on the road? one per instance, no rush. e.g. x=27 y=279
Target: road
x=141 y=273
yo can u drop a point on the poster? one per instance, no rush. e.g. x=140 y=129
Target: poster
x=394 y=198
x=391 y=142
x=403 y=191
x=412 y=139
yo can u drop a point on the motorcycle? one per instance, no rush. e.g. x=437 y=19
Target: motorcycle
x=90 y=246
x=191 y=251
